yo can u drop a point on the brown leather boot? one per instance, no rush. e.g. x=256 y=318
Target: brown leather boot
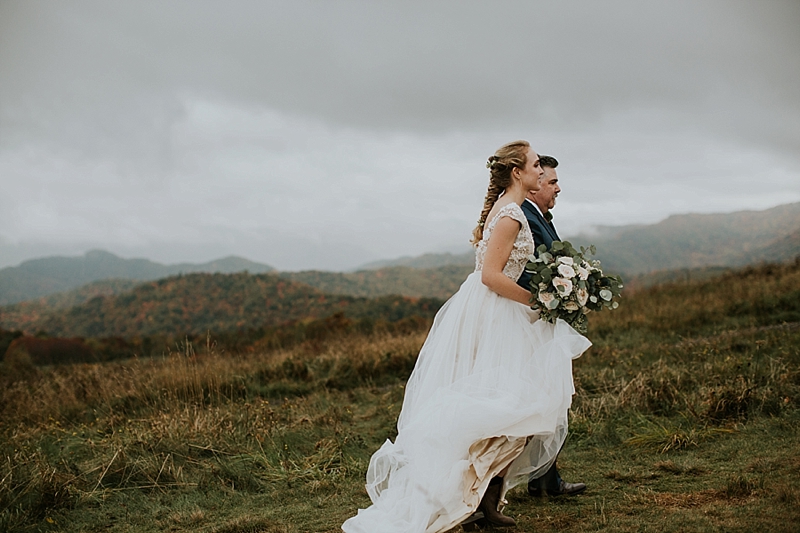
x=489 y=503
x=474 y=524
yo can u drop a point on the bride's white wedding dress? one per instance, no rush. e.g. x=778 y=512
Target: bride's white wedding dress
x=490 y=387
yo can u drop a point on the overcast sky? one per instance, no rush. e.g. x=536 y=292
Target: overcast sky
x=327 y=134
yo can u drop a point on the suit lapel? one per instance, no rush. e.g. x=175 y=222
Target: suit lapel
x=552 y=229
x=532 y=211
x=542 y=222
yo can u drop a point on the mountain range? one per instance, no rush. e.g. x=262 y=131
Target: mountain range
x=691 y=241
x=646 y=252
x=698 y=241
x=40 y=277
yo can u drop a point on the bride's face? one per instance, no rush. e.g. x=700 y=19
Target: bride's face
x=529 y=176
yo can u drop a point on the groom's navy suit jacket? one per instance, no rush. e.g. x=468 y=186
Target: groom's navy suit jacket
x=543 y=233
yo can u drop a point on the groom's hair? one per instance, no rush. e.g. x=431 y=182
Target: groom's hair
x=547 y=161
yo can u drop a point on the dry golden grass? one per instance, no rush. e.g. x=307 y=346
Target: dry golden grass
x=676 y=309
x=192 y=378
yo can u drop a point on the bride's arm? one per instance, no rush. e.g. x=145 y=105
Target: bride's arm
x=498 y=250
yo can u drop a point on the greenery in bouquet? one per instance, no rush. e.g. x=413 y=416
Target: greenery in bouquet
x=567 y=285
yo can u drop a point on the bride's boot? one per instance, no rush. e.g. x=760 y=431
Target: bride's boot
x=490 y=502
x=475 y=522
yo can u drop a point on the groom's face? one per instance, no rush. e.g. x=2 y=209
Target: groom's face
x=547 y=193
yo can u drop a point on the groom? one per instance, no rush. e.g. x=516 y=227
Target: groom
x=537 y=208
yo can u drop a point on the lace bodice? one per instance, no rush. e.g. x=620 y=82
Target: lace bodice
x=523 y=244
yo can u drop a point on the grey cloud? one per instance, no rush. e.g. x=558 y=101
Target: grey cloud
x=145 y=124
x=430 y=65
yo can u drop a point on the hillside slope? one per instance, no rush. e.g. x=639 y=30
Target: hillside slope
x=684 y=418
x=679 y=242
x=691 y=241
x=195 y=303
x=440 y=282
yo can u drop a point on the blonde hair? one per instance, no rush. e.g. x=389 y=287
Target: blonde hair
x=505 y=159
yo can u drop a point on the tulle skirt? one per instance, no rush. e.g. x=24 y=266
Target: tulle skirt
x=491 y=389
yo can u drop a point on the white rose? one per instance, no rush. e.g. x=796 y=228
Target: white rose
x=563 y=286
x=571 y=306
x=583 y=273
x=566 y=261
x=582 y=295
x=605 y=294
x=546 y=297
x=566 y=271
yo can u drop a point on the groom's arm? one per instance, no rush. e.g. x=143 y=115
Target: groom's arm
x=525 y=279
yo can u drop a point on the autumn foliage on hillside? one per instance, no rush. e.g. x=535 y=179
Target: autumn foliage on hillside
x=439 y=282
x=197 y=303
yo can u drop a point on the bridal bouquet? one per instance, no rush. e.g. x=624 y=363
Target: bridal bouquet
x=566 y=285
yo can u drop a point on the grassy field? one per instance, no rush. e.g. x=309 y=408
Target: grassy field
x=686 y=419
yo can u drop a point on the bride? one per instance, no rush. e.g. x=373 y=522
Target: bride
x=486 y=405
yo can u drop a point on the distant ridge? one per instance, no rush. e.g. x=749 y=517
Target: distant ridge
x=695 y=241
x=678 y=242
x=692 y=241
x=429 y=260
x=40 y=277
x=439 y=282
x=31 y=311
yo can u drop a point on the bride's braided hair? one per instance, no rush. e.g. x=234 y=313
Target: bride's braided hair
x=500 y=165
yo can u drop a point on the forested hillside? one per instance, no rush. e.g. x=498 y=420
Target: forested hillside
x=440 y=282
x=196 y=303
